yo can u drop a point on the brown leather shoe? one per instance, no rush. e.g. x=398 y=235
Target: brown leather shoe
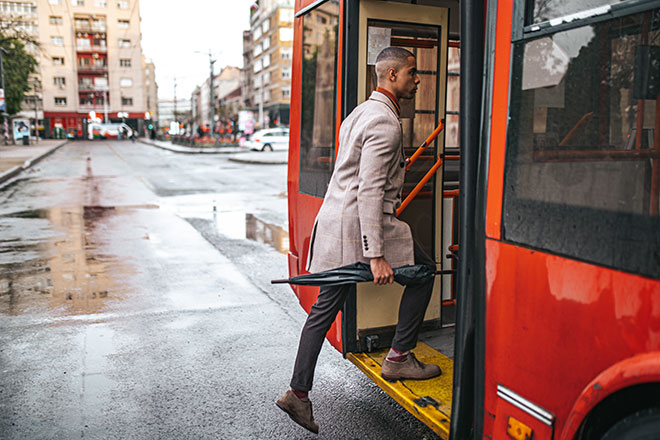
x=299 y=411
x=411 y=368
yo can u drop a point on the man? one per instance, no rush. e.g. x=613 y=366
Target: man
x=357 y=222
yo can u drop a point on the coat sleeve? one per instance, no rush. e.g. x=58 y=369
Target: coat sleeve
x=381 y=141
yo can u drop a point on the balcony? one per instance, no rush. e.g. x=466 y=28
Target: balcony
x=93 y=70
x=91 y=49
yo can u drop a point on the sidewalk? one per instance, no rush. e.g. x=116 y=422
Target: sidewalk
x=238 y=154
x=16 y=158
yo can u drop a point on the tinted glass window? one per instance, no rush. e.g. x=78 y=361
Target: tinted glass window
x=544 y=10
x=319 y=89
x=583 y=154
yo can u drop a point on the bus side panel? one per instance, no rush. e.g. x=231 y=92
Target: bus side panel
x=554 y=324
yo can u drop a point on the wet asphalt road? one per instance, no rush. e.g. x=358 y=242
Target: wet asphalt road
x=135 y=303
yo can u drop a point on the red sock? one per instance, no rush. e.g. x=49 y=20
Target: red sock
x=302 y=395
x=397 y=356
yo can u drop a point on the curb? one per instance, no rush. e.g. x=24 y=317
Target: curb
x=187 y=150
x=13 y=172
x=257 y=161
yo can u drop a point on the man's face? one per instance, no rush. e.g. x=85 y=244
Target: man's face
x=406 y=80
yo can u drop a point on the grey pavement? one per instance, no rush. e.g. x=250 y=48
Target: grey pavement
x=135 y=303
x=237 y=154
x=16 y=158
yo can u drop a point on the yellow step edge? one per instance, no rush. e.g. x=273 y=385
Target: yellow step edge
x=405 y=392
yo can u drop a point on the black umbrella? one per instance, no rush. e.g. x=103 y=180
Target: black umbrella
x=360 y=272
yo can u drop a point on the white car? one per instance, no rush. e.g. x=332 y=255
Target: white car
x=270 y=139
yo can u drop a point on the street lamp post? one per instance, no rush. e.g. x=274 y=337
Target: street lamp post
x=2 y=84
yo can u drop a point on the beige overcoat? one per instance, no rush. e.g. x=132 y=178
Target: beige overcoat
x=357 y=219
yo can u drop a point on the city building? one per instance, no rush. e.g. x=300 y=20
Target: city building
x=225 y=83
x=91 y=64
x=150 y=88
x=267 y=54
x=170 y=111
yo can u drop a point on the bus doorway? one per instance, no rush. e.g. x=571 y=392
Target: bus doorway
x=371 y=313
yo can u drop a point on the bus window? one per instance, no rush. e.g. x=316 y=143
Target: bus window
x=583 y=150
x=545 y=10
x=319 y=89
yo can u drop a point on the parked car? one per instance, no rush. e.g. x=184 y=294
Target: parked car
x=270 y=139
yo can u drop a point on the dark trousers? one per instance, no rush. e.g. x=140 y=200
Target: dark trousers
x=331 y=299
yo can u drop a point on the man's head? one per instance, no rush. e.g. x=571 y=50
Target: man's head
x=396 y=69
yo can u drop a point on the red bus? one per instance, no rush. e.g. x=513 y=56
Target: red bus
x=542 y=217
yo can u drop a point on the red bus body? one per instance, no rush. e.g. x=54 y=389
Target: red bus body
x=566 y=335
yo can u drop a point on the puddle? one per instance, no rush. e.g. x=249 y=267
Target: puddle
x=50 y=258
x=237 y=223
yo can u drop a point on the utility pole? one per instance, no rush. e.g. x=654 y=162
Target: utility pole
x=211 y=97
x=174 y=115
x=36 y=88
x=2 y=84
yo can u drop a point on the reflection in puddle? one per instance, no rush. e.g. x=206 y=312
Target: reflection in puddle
x=239 y=225
x=49 y=256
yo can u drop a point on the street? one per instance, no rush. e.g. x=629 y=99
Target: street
x=135 y=303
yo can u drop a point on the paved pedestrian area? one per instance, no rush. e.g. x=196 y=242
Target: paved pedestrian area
x=15 y=155
x=238 y=154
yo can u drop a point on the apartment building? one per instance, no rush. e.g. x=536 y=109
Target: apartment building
x=150 y=88
x=267 y=54
x=91 y=63
x=224 y=83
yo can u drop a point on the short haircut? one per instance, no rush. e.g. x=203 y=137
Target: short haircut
x=391 y=58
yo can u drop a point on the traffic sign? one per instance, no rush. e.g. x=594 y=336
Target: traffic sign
x=2 y=100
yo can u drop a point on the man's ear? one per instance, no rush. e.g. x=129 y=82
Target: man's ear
x=391 y=73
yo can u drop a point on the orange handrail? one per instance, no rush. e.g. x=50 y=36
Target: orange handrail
x=426 y=143
x=419 y=186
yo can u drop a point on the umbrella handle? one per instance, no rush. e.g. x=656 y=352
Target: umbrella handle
x=282 y=281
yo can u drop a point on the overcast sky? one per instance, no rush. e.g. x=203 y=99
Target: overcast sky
x=172 y=30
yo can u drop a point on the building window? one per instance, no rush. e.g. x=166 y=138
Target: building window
x=100 y=3
x=98 y=24
x=286 y=73
x=126 y=82
x=57 y=41
x=266 y=43
x=58 y=61
x=321 y=19
x=83 y=43
x=78 y=2
x=266 y=61
x=123 y=5
x=318 y=114
x=286 y=93
x=257 y=66
x=126 y=101
x=123 y=24
x=86 y=100
x=285 y=54
x=286 y=34
x=60 y=101
x=257 y=33
x=125 y=62
x=55 y=2
x=125 y=43
x=59 y=81
x=265 y=26
x=55 y=20
x=286 y=15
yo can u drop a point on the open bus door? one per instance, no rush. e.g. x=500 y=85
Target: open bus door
x=336 y=43
x=371 y=312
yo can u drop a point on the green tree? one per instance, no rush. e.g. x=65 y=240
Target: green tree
x=17 y=65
